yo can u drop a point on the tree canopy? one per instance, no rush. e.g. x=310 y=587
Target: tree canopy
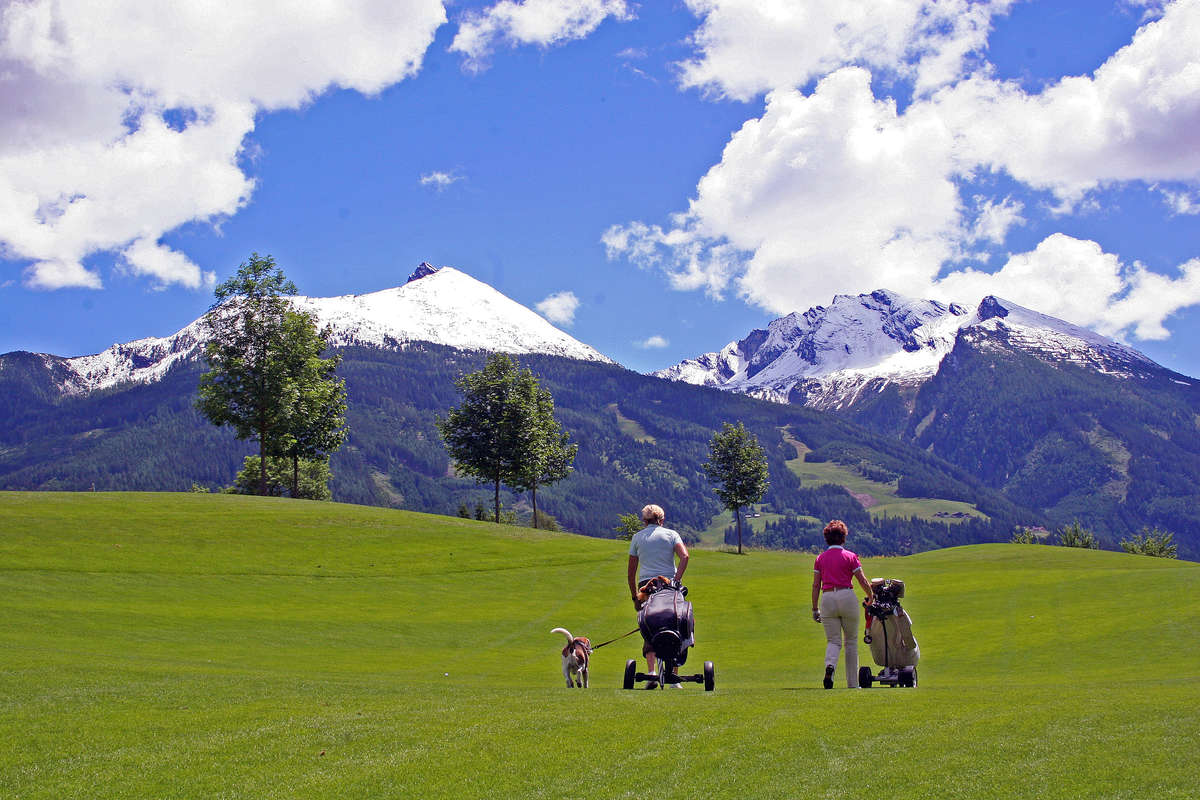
x=504 y=431
x=738 y=464
x=548 y=452
x=266 y=377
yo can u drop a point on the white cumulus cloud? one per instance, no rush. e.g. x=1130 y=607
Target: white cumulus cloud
x=839 y=191
x=654 y=342
x=1076 y=280
x=746 y=47
x=814 y=197
x=540 y=22
x=123 y=120
x=559 y=308
x=1181 y=202
x=1136 y=119
x=439 y=180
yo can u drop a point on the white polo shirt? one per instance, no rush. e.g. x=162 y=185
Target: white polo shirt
x=654 y=547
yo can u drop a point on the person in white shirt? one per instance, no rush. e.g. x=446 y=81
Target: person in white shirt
x=652 y=552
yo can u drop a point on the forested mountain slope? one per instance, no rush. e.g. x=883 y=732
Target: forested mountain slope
x=641 y=439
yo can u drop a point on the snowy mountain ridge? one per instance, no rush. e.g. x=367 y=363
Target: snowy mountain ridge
x=440 y=305
x=827 y=357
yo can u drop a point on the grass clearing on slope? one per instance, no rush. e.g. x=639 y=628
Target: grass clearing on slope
x=204 y=646
x=630 y=427
x=879 y=499
x=714 y=534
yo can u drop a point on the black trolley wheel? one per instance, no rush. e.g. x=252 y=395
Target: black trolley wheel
x=865 y=677
x=630 y=672
x=908 y=677
x=710 y=676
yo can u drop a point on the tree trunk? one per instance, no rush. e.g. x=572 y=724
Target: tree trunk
x=295 y=476
x=497 y=501
x=533 y=491
x=262 y=462
x=737 y=515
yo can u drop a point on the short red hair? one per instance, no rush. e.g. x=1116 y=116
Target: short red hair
x=835 y=532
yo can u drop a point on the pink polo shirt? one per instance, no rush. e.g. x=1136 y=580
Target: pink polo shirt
x=836 y=566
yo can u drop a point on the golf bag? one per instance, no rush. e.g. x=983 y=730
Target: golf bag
x=889 y=629
x=667 y=625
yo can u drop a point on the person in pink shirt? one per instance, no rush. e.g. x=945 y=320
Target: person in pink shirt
x=834 y=603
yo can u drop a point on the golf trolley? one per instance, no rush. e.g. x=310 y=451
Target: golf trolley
x=889 y=633
x=666 y=622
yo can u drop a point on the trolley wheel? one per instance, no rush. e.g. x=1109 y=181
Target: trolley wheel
x=908 y=677
x=865 y=677
x=630 y=672
x=710 y=676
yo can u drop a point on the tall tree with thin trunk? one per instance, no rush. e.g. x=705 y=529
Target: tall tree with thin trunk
x=547 y=452
x=737 y=462
x=487 y=434
x=315 y=402
x=247 y=375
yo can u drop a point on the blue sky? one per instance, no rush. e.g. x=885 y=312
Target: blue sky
x=658 y=177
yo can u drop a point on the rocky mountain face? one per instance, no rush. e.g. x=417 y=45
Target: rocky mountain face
x=839 y=356
x=439 y=305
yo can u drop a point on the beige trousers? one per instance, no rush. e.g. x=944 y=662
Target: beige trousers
x=840 y=614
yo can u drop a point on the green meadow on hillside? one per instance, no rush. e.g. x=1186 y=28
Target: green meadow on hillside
x=880 y=499
x=200 y=646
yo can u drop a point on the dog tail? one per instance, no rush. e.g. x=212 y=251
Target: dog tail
x=565 y=633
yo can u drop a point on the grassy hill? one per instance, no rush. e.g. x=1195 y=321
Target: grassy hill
x=160 y=645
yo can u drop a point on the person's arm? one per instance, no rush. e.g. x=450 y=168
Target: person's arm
x=682 y=552
x=816 y=596
x=633 y=566
x=866 y=585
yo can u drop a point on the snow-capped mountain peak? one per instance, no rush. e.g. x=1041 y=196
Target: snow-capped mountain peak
x=1054 y=338
x=828 y=356
x=423 y=269
x=440 y=305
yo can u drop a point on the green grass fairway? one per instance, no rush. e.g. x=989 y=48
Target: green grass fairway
x=214 y=646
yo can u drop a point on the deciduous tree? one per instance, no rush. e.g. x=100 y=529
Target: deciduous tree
x=505 y=432
x=737 y=462
x=1075 y=535
x=246 y=375
x=315 y=403
x=1152 y=542
x=485 y=434
x=547 y=452
x=267 y=378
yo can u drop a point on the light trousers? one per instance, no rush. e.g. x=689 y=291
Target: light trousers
x=840 y=614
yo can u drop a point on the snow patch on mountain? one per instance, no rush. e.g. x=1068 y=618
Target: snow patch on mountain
x=446 y=307
x=440 y=305
x=1054 y=340
x=829 y=357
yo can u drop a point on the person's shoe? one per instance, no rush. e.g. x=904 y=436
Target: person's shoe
x=651 y=684
x=828 y=682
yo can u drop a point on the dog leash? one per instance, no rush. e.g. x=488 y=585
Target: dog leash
x=610 y=641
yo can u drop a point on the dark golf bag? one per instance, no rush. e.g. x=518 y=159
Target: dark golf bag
x=667 y=625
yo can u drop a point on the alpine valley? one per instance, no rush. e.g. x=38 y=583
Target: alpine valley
x=922 y=425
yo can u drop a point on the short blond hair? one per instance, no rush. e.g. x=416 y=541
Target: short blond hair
x=653 y=513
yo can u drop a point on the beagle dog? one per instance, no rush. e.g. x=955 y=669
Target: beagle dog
x=575 y=659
